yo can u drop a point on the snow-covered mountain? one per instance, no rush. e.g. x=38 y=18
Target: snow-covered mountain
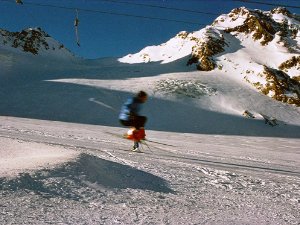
x=33 y=41
x=261 y=48
x=240 y=53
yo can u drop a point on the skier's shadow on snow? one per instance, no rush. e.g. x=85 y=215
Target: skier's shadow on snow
x=88 y=173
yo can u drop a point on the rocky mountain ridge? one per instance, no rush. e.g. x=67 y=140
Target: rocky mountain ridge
x=281 y=82
x=273 y=35
x=34 y=41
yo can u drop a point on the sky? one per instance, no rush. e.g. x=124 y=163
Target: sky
x=115 y=28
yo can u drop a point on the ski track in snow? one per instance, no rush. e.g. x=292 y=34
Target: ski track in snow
x=202 y=180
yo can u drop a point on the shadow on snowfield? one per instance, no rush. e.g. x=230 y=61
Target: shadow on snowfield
x=79 y=179
x=35 y=94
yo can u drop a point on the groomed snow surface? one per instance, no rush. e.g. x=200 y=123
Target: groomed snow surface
x=194 y=179
x=214 y=166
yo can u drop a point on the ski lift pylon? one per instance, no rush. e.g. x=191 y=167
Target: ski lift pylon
x=76 y=23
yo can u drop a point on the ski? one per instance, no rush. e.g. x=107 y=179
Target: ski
x=123 y=136
x=160 y=143
x=143 y=141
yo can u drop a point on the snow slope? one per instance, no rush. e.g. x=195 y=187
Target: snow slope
x=194 y=179
x=256 y=47
x=62 y=161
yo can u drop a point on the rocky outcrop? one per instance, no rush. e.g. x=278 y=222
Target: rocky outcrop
x=29 y=40
x=204 y=50
x=284 y=11
x=294 y=62
x=278 y=85
x=262 y=26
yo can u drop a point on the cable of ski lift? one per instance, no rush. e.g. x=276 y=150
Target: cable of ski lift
x=119 y=14
x=109 y=13
x=160 y=7
x=265 y=3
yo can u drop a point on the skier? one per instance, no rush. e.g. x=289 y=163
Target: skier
x=129 y=116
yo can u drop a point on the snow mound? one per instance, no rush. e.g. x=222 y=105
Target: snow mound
x=18 y=157
x=82 y=178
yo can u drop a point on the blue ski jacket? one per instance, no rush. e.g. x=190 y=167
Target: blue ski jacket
x=130 y=108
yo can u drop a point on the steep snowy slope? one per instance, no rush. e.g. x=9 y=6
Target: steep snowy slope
x=260 y=48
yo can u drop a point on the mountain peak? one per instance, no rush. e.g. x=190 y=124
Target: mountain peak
x=261 y=25
x=283 y=11
x=239 y=43
x=241 y=23
x=32 y=40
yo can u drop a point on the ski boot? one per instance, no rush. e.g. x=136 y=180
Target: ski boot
x=135 y=147
x=135 y=135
